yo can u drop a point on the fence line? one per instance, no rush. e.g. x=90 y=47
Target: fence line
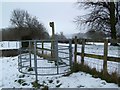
x=104 y=57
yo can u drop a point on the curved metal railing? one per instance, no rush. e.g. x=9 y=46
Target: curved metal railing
x=41 y=58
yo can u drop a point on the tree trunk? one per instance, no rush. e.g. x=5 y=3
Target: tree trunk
x=112 y=21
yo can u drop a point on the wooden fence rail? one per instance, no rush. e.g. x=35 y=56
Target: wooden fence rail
x=104 y=57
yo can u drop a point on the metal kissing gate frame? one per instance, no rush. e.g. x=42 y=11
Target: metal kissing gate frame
x=38 y=58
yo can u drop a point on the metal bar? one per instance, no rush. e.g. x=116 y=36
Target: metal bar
x=56 y=55
x=63 y=49
x=63 y=52
x=42 y=48
x=30 y=53
x=70 y=52
x=52 y=67
x=62 y=46
x=45 y=49
x=35 y=61
x=75 y=50
x=64 y=57
x=20 y=54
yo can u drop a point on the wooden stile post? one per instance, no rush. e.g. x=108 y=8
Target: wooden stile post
x=52 y=39
x=82 y=51
x=75 y=50
x=105 y=56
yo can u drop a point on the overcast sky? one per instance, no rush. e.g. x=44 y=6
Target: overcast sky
x=62 y=13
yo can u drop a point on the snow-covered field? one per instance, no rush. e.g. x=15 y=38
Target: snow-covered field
x=9 y=73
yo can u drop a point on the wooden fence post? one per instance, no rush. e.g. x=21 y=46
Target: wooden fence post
x=52 y=39
x=75 y=50
x=105 y=56
x=42 y=47
x=82 y=51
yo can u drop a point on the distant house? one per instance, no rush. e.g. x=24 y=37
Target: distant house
x=91 y=35
x=95 y=35
x=60 y=36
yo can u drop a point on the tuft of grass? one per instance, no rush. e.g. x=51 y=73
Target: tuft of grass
x=46 y=56
x=36 y=84
x=76 y=67
x=45 y=88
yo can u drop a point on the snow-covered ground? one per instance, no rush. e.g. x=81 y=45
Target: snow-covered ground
x=9 y=73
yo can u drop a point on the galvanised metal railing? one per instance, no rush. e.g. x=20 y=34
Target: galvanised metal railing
x=40 y=57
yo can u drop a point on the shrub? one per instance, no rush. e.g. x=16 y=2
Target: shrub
x=76 y=67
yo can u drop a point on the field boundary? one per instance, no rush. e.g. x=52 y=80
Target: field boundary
x=104 y=57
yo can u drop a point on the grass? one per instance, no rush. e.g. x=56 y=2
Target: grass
x=44 y=88
x=110 y=78
x=36 y=85
x=45 y=56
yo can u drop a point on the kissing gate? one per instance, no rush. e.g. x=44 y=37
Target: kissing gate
x=41 y=57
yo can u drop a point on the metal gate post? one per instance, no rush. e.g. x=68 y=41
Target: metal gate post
x=30 y=49
x=56 y=55
x=70 y=52
x=35 y=60
x=19 y=58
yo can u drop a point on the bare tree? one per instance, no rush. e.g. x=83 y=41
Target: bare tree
x=23 y=20
x=18 y=18
x=103 y=16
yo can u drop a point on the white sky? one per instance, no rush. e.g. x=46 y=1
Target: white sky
x=61 y=12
